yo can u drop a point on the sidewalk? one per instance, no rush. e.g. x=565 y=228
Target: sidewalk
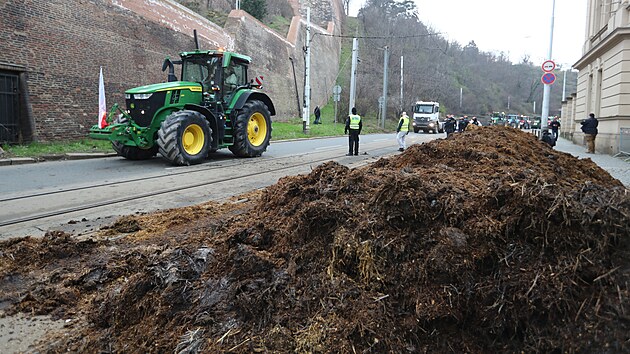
x=617 y=167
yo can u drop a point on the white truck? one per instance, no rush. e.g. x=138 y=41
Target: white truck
x=426 y=116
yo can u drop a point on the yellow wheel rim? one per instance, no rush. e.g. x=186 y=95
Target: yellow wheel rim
x=257 y=129
x=193 y=139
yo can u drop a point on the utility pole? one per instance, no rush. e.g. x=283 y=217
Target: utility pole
x=353 y=74
x=297 y=92
x=461 y=97
x=508 y=108
x=238 y=4
x=385 y=65
x=307 y=81
x=547 y=88
x=401 y=82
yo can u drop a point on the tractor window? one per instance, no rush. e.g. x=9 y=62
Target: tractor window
x=194 y=71
x=201 y=70
x=235 y=75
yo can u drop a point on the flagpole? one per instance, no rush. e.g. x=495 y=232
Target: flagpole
x=102 y=105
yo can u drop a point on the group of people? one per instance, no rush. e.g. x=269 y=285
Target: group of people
x=451 y=125
x=354 y=124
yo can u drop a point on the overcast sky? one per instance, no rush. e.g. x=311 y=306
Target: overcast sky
x=514 y=27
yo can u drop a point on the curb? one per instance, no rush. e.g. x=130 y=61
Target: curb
x=68 y=156
x=17 y=161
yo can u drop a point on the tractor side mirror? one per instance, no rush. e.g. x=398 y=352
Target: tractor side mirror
x=171 y=69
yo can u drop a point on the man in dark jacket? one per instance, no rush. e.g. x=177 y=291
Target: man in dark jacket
x=317 y=113
x=449 y=126
x=354 y=125
x=554 y=125
x=548 y=138
x=589 y=128
x=463 y=123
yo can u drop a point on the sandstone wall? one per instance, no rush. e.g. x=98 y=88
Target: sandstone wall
x=57 y=47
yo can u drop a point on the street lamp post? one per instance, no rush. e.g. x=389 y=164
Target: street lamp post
x=547 y=87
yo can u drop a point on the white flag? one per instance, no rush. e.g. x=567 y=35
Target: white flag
x=102 y=106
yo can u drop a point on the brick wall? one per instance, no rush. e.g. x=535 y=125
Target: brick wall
x=60 y=44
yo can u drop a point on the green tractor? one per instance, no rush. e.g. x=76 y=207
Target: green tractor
x=213 y=106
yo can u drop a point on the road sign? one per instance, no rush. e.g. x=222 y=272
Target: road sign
x=548 y=78
x=549 y=66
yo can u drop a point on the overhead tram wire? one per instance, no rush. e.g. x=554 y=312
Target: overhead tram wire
x=380 y=37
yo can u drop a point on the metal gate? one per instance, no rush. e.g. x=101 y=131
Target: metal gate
x=624 y=144
x=9 y=108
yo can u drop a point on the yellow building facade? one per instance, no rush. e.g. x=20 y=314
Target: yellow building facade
x=603 y=86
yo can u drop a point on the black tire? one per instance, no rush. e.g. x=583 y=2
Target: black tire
x=185 y=138
x=251 y=130
x=132 y=152
x=416 y=130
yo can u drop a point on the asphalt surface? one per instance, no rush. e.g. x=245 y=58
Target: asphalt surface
x=618 y=167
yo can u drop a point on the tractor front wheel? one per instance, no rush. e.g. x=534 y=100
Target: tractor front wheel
x=134 y=152
x=251 y=130
x=185 y=138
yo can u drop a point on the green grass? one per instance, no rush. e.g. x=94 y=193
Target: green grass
x=38 y=149
x=280 y=24
x=294 y=129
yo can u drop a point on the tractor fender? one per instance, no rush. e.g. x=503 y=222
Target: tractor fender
x=218 y=128
x=254 y=95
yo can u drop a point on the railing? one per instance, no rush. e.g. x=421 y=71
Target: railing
x=624 y=144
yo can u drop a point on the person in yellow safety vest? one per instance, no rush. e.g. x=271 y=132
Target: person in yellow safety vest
x=402 y=131
x=353 y=126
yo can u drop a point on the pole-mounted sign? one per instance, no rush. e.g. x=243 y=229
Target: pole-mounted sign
x=548 y=78
x=548 y=66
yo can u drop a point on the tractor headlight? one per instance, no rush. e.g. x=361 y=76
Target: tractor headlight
x=142 y=96
x=431 y=124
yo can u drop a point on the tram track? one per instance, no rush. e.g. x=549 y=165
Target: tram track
x=34 y=207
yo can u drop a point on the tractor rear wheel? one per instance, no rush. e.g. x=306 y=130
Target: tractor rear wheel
x=185 y=138
x=132 y=152
x=252 y=130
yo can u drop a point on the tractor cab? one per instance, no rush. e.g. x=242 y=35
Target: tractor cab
x=220 y=73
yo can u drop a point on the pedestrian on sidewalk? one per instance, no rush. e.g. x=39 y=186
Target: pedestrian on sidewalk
x=402 y=131
x=554 y=125
x=353 y=128
x=317 y=113
x=589 y=128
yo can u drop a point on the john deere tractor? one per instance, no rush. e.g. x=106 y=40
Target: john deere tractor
x=213 y=106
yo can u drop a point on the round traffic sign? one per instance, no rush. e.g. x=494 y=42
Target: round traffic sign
x=549 y=66
x=548 y=78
